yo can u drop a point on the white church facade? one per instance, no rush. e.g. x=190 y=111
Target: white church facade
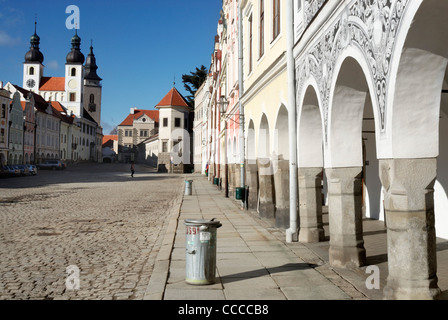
x=79 y=91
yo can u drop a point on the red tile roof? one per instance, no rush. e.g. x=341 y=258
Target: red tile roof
x=129 y=121
x=52 y=84
x=173 y=99
x=108 y=138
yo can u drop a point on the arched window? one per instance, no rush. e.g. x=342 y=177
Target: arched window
x=31 y=71
x=73 y=72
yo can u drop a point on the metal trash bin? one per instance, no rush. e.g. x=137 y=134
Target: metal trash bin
x=201 y=251
x=240 y=193
x=188 y=187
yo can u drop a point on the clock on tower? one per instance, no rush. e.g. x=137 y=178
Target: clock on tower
x=31 y=83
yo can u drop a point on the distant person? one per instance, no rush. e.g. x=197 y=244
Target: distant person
x=132 y=169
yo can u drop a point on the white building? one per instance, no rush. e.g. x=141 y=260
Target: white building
x=175 y=140
x=202 y=100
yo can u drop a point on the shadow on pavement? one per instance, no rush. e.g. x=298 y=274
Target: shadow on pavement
x=263 y=271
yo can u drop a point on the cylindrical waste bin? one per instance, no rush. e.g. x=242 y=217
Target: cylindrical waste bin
x=188 y=187
x=239 y=193
x=201 y=251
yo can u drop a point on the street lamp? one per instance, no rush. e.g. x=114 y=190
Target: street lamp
x=223 y=103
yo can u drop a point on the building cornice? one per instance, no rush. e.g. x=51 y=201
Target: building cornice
x=274 y=70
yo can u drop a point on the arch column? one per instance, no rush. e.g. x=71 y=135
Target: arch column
x=310 y=205
x=409 y=203
x=252 y=182
x=345 y=217
x=281 y=187
x=266 y=199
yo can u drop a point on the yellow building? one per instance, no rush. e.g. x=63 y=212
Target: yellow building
x=265 y=101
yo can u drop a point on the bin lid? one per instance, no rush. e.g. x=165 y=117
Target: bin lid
x=202 y=222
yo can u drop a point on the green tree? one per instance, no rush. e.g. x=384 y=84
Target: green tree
x=193 y=81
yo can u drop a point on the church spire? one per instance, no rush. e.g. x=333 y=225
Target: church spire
x=34 y=55
x=75 y=56
x=91 y=66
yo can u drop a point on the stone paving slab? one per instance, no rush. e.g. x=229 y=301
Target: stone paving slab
x=254 y=262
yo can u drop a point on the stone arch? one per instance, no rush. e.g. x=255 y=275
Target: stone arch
x=421 y=60
x=310 y=132
x=280 y=164
x=410 y=171
x=251 y=166
x=234 y=150
x=263 y=145
x=266 y=205
x=281 y=134
x=251 y=143
x=344 y=160
x=350 y=91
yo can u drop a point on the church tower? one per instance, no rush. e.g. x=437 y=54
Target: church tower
x=33 y=68
x=92 y=88
x=74 y=77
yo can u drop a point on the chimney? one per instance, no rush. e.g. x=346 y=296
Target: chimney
x=1 y=84
x=133 y=110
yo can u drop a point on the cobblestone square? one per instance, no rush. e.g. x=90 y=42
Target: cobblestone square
x=91 y=216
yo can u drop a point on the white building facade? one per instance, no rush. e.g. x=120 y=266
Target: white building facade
x=364 y=112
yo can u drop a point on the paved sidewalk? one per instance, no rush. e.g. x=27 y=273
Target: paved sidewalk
x=254 y=262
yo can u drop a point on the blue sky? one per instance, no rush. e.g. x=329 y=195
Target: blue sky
x=140 y=46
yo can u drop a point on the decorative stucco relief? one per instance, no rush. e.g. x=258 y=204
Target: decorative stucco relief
x=369 y=25
x=311 y=8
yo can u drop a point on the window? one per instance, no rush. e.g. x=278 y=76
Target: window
x=177 y=123
x=2 y=136
x=73 y=72
x=261 y=28
x=3 y=111
x=72 y=96
x=92 y=98
x=143 y=133
x=31 y=71
x=276 y=19
x=250 y=43
x=164 y=146
x=165 y=122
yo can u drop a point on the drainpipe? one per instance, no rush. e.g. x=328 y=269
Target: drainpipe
x=240 y=94
x=292 y=232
